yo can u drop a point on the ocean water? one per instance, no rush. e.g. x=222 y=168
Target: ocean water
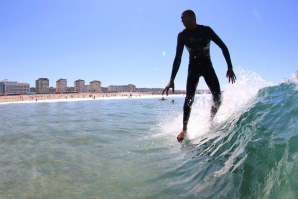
x=127 y=148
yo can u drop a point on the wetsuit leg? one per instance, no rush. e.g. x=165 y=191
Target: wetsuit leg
x=213 y=84
x=191 y=86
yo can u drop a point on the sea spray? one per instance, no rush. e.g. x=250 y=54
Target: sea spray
x=236 y=99
x=294 y=78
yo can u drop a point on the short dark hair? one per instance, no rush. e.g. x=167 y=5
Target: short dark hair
x=190 y=13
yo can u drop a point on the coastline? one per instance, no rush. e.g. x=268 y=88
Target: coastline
x=37 y=98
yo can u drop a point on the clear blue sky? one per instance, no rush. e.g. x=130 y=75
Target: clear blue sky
x=134 y=41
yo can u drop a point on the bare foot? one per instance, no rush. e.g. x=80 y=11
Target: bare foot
x=181 y=135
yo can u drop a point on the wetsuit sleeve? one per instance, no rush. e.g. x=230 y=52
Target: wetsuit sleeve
x=177 y=60
x=222 y=45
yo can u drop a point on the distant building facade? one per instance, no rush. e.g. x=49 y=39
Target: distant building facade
x=32 y=90
x=95 y=86
x=87 y=88
x=104 y=89
x=79 y=86
x=70 y=90
x=13 y=88
x=52 y=90
x=122 y=88
x=61 y=86
x=42 y=86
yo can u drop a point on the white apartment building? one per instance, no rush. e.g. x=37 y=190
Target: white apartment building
x=42 y=86
x=13 y=88
x=79 y=86
x=95 y=86
x=122 y=88
x=61 y=86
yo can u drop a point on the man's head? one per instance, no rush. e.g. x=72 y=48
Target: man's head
x=188 y=18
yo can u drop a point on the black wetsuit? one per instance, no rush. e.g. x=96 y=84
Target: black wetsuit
x=197 y=42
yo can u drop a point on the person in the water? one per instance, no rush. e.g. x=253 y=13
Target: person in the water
x=196 y=38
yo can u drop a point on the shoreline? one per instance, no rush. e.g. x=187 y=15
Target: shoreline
x=38 y=98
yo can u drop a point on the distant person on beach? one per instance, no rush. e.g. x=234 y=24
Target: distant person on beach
x=196 y=38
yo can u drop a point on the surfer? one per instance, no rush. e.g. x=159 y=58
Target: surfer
x=196 y=38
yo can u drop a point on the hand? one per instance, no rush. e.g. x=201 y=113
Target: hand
x=170 y=85
x=231 y=75
x=181 y=136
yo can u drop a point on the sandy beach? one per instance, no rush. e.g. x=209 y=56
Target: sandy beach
x=73 y=97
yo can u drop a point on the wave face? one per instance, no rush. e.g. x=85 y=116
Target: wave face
x=270 y=132
x=253 y=153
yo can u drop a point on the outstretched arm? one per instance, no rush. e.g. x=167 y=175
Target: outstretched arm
x=177 y=60
x=230 y=73
x=176 y=65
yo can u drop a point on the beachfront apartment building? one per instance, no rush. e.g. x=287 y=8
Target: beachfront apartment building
x=42 y=86
x=122 y=88
x=13 y=88
x=95 y=86
x=79 y=86
x=61 y=86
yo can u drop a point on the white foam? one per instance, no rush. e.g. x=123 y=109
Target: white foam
x=236 y=97
x=199 y=122
x=294 y=78
x=235 y=100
